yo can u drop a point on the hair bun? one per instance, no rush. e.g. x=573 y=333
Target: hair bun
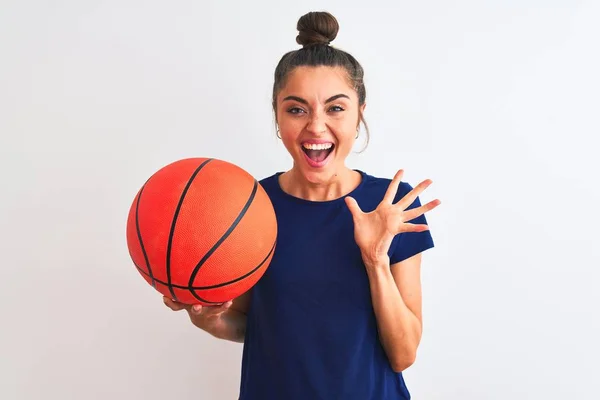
x=317 y=27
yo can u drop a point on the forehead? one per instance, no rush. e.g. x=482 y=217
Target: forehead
x=320 y=82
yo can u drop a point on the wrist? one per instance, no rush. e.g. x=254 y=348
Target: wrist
x=229 y=325
x=374 y=264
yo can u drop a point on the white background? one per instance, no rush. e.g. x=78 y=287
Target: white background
x=495 y=101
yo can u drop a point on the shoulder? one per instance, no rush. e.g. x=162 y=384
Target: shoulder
x=376 y=186
x=268 y=179
x=269 y=183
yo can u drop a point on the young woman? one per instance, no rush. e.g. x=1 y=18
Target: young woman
x=337 y=315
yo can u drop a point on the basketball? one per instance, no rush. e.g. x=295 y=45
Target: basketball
x=201 y=231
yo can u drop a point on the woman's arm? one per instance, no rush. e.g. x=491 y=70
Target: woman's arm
x=227 y=322
x=395 y=290
x=396 y=297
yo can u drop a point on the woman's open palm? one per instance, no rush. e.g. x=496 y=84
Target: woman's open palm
x=374 y=231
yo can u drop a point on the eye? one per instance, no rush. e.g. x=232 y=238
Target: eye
x=336 y=109
x=295 y=110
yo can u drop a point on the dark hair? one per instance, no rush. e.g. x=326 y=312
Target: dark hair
x=316 y=30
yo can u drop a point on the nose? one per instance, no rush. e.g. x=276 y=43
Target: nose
x=316 y=125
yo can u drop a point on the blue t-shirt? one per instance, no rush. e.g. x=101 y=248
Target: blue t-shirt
x=311 y=329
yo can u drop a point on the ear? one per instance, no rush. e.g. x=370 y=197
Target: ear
x=274 y=109
x=361 y=112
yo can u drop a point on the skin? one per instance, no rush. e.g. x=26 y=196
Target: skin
x=319 y=103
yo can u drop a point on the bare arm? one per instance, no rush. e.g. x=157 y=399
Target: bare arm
x=227 y=322
x=396 y=289
x=396 y=297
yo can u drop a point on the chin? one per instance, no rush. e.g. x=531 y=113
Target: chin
x=319 y=175
x=316 y=168
x=316 y=177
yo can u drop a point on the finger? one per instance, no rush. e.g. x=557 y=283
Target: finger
x=196 y=309
x=410 y=197
x=418 y=211
x=172 y=304
x=218 y=309
x=353 y=206
x=227 y=304
x=392 y=189
x=408 y=227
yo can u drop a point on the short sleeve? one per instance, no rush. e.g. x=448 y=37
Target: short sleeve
x=408 y=244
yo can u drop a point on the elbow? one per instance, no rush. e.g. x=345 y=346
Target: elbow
x=404 y=361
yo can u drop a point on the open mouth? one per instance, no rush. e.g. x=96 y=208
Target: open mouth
x=317 y=154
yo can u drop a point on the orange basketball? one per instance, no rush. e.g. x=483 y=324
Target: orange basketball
x=201 y=231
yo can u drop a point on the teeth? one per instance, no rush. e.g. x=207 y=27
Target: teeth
x=322 y=146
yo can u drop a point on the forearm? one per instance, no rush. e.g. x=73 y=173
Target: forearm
x=399 y=328
x=231 y=325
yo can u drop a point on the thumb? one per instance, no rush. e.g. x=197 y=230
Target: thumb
x=353 y=206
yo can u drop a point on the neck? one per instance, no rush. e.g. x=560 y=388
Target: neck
x=338 y=185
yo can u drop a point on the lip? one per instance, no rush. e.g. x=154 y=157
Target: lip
x=313 y=163
x=316 y=141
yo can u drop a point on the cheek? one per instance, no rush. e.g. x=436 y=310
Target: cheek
x=289 y=135
x=290 y=128
x=288 y=132
x=346 y=134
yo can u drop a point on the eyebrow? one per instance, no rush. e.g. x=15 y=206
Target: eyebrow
x=329 y=100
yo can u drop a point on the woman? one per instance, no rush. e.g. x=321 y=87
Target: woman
x=337 y=315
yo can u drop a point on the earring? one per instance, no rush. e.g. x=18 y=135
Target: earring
x=278 y=135
x=357 y=132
